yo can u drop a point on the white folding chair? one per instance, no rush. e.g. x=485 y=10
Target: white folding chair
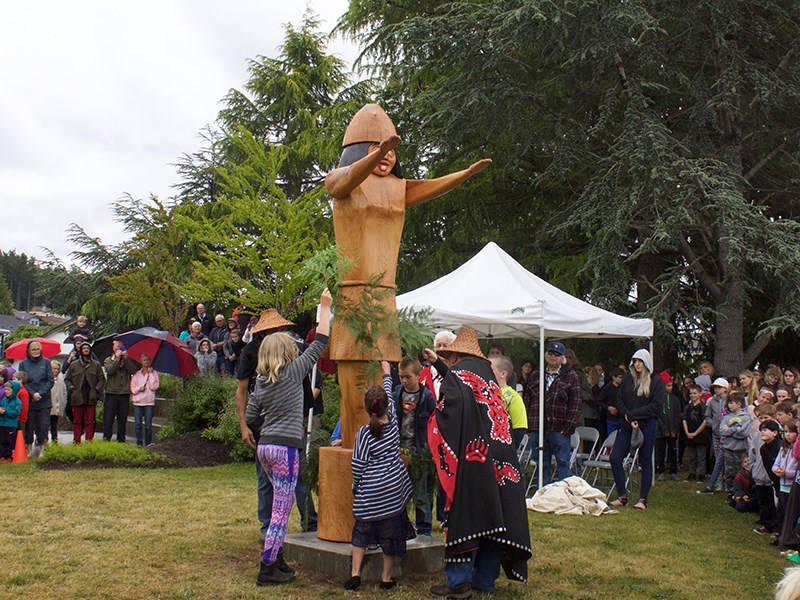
x=600 y=466
x=588 y=435
x=575 y=447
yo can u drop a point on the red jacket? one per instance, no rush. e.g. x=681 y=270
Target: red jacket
x=25 y=397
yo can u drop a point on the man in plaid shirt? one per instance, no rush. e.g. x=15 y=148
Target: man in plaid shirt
x=562 y=409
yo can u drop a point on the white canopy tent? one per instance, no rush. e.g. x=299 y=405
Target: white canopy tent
x=495 y=295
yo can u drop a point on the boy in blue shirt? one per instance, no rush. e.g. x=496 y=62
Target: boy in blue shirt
x=414 y=405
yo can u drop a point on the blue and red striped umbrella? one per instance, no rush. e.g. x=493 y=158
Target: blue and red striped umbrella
x=168 y=353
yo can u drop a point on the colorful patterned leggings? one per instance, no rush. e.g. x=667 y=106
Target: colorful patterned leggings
x=281 y=465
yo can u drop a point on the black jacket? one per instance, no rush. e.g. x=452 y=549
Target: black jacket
x=669 y=421
x=639 y=408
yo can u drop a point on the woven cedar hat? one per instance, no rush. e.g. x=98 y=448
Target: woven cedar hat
x=370 y=124
x=271 y=320
x=466 y=342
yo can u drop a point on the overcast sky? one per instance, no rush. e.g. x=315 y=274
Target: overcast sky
x=99 y=98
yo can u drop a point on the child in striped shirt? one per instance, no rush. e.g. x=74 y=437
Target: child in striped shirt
x=381 y=486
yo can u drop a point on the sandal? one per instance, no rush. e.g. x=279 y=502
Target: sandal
x=621 y=501
x=641 y=504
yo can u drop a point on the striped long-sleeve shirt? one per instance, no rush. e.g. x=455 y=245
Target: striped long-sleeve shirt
x=381 y=485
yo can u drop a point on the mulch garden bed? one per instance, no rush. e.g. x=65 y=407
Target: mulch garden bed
x=192 y=450
x=187 y=450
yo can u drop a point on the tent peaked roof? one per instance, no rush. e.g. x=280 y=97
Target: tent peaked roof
x=497 y=296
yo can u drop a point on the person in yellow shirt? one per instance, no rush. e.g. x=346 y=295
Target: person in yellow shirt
x=503 y=368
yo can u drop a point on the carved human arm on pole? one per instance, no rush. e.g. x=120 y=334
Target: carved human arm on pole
x=422 y=190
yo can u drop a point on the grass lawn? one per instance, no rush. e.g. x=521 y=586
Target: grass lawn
x=192 y=533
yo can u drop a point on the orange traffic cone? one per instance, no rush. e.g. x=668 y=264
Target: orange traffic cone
x=20 y=452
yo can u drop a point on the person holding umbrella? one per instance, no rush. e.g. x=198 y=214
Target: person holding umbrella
x=85 y=381
x=144 y=384
x=119 y=370
x=39 y=384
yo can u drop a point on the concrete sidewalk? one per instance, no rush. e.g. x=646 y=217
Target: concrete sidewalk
x=66 y=436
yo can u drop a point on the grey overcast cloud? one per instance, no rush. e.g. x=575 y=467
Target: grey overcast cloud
x=100 y=98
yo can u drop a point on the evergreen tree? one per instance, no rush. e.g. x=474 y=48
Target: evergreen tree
x=659 y=140
x=6 y=305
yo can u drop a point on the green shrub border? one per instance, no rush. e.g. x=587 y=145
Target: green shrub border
x=115 y=454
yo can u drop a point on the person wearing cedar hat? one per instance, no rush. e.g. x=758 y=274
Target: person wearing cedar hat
x=370 y=198
x=470 y=438
x=270 y=321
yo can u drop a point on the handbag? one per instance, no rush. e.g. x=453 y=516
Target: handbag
x=637 y=438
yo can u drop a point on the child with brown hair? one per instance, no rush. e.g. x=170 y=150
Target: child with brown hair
x=743 y=495
x=785 y=467
x=734 y=429
x=414 y=405
x=381 y=486
x=786 y=413
x=696 y=430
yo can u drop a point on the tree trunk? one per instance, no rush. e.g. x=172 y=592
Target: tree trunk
x=729 y=343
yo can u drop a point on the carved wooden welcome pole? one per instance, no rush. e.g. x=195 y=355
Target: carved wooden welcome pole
x=369 y=202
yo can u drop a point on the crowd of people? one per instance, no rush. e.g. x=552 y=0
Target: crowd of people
x=50 y=390
x=736 y=435
x=218 y=345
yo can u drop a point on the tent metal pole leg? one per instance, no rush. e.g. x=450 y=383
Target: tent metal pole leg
x=541 y=407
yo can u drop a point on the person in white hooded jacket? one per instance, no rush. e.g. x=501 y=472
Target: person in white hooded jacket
x=639 y=403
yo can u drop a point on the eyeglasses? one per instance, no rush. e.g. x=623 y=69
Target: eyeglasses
x=553 y=353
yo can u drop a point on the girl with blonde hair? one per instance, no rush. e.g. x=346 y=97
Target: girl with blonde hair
x=276 y=408
x=639 y=403
x=748 y=386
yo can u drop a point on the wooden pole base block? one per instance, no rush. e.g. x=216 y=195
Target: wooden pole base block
x=335 y=523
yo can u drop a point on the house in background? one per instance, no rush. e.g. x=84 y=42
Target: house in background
x=8 y=323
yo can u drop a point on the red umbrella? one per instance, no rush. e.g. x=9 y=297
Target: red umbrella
x=168 y=353
x=16 y=351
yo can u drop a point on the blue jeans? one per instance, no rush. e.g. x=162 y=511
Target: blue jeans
x=719 y=461
x=611 y=426
x=556 y=444
x=265 y=496
x=147 y=413
x=482 y=570
x=622 y=446
x=423 y=478
x=231 y=366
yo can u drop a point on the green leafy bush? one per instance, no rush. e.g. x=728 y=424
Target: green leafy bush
x=169 y=386
x=227 y=431
x=199 y=404
x=331 y=396
x=166 y=431
x=111 y=453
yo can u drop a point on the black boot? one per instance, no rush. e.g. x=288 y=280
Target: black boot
x=271 y=575
x=282 y=565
